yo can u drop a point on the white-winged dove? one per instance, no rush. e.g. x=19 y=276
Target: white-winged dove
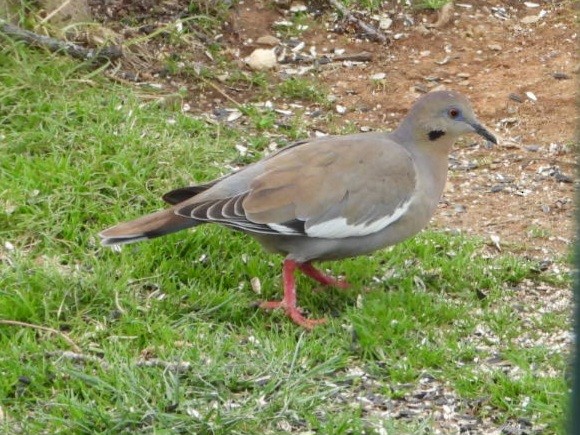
x=326 y=198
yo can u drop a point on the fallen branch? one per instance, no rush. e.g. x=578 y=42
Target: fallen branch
x=105 y=54
x=180 y=366
x=220 y=91
x=367 y=28
x=363 y=56
x=43 y=328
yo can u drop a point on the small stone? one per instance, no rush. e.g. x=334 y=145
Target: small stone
x=421 y=88
x=563 y=178
x=560 y=76
x=269 y=40
x=445 y=61
x=463 y=75
x=532 y=148
x=508 y=121
x=531 y=5
x=516 y=98
x=530 y=19
x=495 y=47
x=340 y=109
x=262 y=59
x=385 y=23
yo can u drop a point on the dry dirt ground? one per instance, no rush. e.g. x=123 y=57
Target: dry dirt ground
x=517 y=61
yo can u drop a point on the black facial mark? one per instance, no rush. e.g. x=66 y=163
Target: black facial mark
x=435 y=134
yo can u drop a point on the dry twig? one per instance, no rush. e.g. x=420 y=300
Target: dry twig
x=180 y=366
x=367 y=28
x=363 y=56
x=43 y=328
x=105 y=54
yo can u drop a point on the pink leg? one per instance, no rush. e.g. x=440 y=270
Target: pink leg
x=322 y=278
x=288 y=303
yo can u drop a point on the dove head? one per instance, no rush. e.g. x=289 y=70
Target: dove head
x=440 y=117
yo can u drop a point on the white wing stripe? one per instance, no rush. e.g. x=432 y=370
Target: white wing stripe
x=338 y=228
x=282 y=229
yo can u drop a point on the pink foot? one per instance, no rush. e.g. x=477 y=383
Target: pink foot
x=288 y=304
x=321 y=277
x=292 y=312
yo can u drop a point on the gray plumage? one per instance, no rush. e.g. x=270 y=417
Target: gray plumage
x=332 y=197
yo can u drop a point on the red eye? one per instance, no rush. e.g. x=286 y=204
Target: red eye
x=453 y=113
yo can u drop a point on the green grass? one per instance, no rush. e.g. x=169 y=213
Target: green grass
x=302 y=89
x=78 y=154
x=430 y=4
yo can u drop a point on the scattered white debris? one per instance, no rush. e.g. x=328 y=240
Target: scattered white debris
x=378 y=76
x=495 y=240
x=298 y=47
x=233 y=115
x=531 y=96
x=256 y=285
x=242 y=150
x=298 y=7
x=192 y=412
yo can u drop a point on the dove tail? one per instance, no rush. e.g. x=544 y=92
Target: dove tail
x=146 y=227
